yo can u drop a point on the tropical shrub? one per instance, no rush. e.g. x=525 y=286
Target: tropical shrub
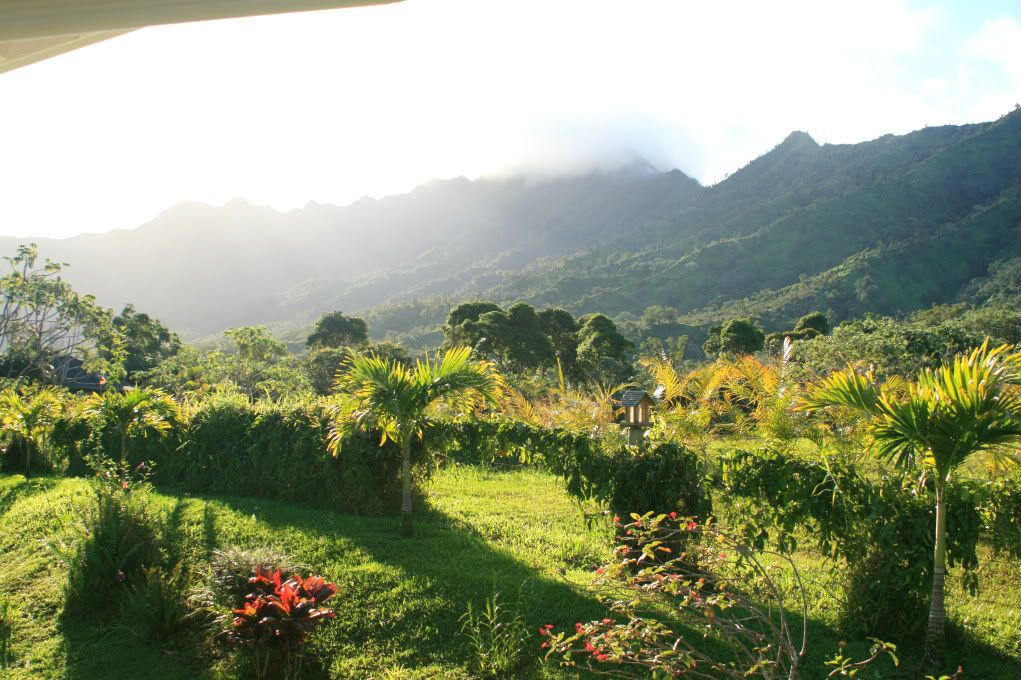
x=132 y=414
x=718 y=609
x=28 y=417
x=275 y=619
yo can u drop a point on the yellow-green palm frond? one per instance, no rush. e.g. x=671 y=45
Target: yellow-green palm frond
x=387 y=395
x=844 y=388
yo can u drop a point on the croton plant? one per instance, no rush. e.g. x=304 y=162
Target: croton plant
x=277 y=615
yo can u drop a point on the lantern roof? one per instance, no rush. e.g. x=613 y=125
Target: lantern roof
x=633 y=397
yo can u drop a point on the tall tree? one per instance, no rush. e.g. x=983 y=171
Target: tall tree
x=458 y=329
x=562 y=330
x=396 y=398
x=336 y=329
x=147 y=341
x=737 y=336
x=47 y=329
x=935 y=424
x=815 y=321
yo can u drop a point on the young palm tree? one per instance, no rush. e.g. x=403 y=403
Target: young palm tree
x=133 y=413
x=936 y=423
x=396 y=399
x=30 y=416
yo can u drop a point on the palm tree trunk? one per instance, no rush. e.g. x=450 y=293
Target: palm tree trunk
x=937 y=611
x=406 y=527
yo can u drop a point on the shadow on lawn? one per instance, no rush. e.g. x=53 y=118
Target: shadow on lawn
x=403 y=597
x=14 y=490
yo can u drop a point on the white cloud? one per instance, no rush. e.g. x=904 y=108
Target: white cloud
x=999 y=42
x=328 y=106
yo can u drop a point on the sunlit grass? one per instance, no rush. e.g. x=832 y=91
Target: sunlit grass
x=514 y=531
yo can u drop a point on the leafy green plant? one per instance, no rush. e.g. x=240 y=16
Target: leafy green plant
x=117 y=539
x=969 y=406
x=277 y=617
x=877 y=530
x=157 y=603
x=846 y=667
x=497 y=636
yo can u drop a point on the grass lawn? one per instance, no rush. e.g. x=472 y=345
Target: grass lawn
x=400 y=600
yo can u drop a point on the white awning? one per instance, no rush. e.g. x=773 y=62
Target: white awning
x=33 y=30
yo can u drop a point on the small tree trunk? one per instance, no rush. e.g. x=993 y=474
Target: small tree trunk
x=406 y=527
x=28 y=455
x=937 y=611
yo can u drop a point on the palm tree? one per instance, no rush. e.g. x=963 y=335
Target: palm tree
x=935 y=423
x=134 y=412
x=30 y=416
x=395 y=398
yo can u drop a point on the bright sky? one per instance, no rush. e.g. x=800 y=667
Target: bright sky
x=330 y=106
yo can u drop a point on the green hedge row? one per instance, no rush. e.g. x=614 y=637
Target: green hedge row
x=234 y=447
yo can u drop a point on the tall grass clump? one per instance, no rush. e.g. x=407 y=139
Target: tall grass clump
x=6 y=632
x=497 y=636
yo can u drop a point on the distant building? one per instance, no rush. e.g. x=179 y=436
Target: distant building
x=69 y=371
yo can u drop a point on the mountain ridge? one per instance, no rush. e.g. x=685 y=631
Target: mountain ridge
x=600 y=241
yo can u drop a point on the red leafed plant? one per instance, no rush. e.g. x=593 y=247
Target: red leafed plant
x=277 y=615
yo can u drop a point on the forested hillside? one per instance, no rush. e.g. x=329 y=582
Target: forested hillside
x=887 y=226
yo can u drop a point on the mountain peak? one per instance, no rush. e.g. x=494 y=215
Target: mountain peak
x=799 y=138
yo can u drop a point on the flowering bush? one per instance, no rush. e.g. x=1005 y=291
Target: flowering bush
x=687 y=599
x=277 y=616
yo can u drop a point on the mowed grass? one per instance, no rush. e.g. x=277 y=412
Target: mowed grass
x=399 y=600
x=517 y=532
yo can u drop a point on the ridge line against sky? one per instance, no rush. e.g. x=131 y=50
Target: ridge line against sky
x=331 y=106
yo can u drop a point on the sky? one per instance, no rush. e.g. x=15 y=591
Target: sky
x=334 y=105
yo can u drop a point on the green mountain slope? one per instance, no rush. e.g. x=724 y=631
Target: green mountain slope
x=888 y=225
x=885 y=226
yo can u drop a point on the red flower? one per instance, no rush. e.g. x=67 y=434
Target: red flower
x=616 y=519
x=692 y=526
x=673 y=515
x=723 y=555
x=602 y=657
x=600 y=570
x=544 y=645
x=607 y=622
x=578 y=627
x=589 y=647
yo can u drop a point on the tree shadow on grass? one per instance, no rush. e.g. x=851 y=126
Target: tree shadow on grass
x=15 y=488
x=403 y=598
